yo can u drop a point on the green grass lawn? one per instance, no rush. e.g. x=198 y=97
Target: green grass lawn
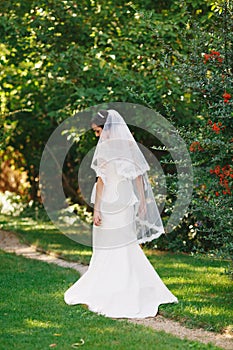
x=204 y=291
x=35 y=316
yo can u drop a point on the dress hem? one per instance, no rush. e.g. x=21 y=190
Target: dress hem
x=97 y=311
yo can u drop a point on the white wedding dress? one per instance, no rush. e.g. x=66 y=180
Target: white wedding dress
x=120 y=281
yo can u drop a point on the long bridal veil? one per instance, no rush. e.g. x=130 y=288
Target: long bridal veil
x=117 y=146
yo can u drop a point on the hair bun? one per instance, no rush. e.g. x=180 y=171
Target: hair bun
x=100 y=118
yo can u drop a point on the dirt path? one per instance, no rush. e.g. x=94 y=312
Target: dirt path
x=11 y=243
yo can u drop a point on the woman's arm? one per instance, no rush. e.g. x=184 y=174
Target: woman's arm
x=140 y=188
x=99 y=190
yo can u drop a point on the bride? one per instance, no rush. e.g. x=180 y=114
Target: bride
x=120 y=281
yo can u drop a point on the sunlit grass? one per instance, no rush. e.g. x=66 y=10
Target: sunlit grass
x=35 y=316
x=30 y=323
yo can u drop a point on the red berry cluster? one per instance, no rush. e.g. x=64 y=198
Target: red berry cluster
x=195 y=146
x=213 y=56
x=224 y=174
x=216 y=127
x=226 y=97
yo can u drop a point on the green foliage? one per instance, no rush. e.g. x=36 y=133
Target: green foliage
x=62 y=57
x=207 y=76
